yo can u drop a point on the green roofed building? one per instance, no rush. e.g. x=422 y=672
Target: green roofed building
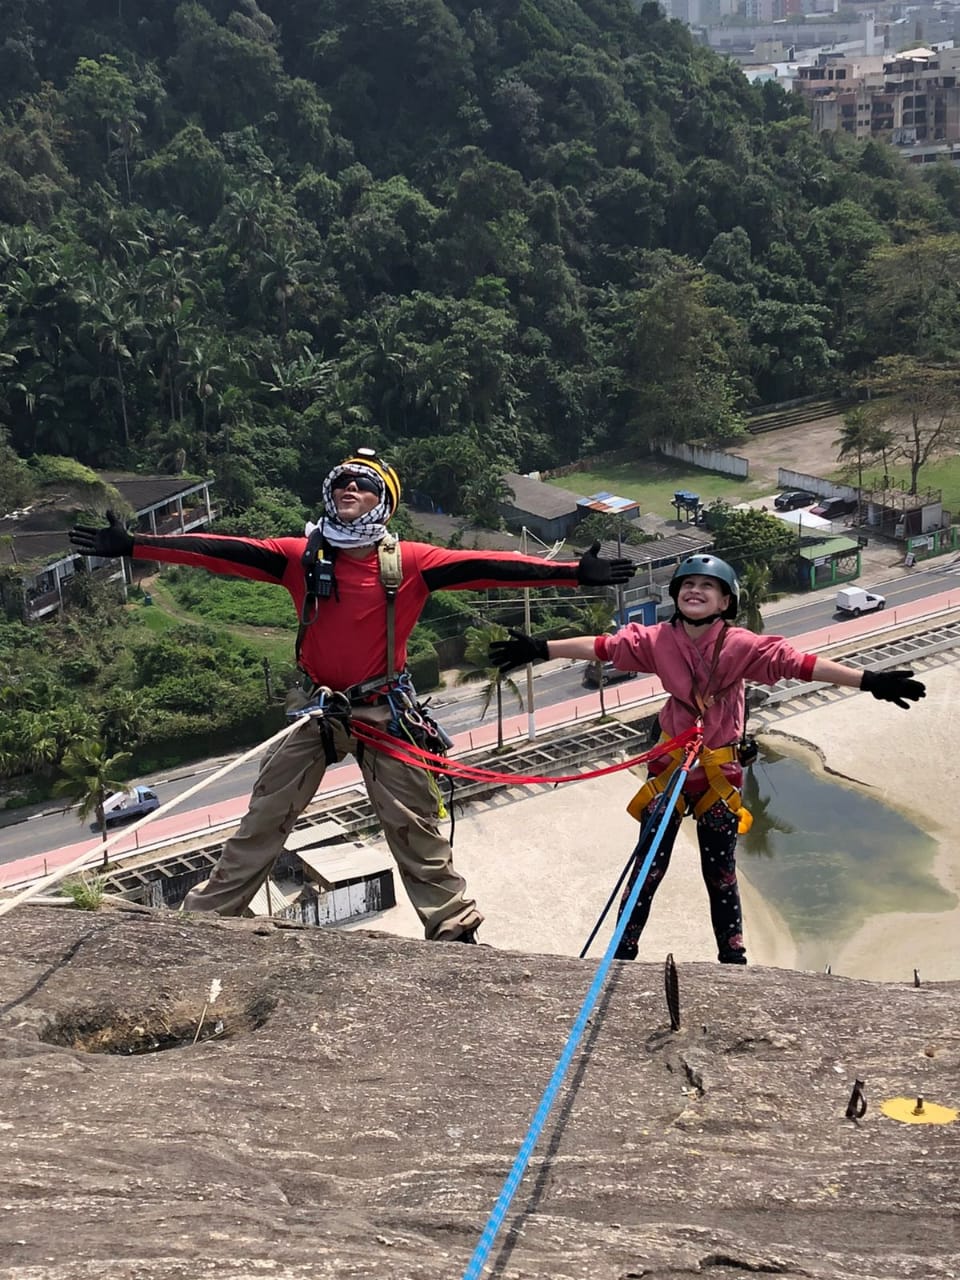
x=824 y=564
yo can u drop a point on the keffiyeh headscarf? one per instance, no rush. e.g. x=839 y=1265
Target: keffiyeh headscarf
x=368 y=529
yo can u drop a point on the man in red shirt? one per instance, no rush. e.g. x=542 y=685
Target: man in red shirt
x=345 y=619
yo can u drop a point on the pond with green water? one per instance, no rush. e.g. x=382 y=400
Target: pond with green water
x=828 y=855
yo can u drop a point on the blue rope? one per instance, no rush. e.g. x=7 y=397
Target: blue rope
x=499 y=1212
x=655 y=811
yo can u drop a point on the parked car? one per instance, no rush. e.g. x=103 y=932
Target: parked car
x=834 y=508
x=855 y=600
x=124 y=806
x=611 y=675
x=793 y=499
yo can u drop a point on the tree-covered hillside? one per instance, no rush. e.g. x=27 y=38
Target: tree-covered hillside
x=243 y=236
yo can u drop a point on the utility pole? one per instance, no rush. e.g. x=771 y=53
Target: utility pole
x=531 y=715
x=621 y=608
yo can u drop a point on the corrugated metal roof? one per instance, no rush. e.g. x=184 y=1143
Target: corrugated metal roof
x=28 y=550
x=539 y=499
x=143 y=492
x=268 y=899
x=40 y=537
x=662 y=550
x=471 y=538
x=610 y=504
x=314 y=834
x=342 y=862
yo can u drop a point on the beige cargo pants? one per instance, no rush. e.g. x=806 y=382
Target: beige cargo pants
x=405 y=805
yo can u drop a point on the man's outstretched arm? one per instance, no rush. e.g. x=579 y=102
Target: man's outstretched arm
x=476 y=570
x=261 y=559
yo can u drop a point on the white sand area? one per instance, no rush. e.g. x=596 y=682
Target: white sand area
x=541 y=868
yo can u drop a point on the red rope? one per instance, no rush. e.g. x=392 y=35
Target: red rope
x=377 y=738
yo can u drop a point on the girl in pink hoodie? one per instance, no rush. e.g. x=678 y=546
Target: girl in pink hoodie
x=702 y=661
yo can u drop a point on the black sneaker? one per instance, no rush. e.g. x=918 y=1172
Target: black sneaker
x=469 y=935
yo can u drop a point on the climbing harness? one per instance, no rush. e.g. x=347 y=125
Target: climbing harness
x=411 y=726
x=410 y=720
x=499 y=1212
x=719 y=786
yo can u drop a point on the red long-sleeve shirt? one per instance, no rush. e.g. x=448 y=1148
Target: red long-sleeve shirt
x=347 y=644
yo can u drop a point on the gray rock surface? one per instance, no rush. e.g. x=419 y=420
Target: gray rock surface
x=362 y=1098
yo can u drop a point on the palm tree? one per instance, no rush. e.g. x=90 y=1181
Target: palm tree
x=300 y=381
x=477 y=652
x=245 y=217
x=39 y=746
x=596 y=618
x=764 y=821
x=123 y=717
x=754 y=592
x=90 y=775
x=856 y=439
x=282 y=277
x=113 y=319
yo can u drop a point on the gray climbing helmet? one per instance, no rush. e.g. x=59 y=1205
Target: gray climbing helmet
x=709 y=567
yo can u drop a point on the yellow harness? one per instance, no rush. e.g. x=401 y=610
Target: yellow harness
x=719 y=786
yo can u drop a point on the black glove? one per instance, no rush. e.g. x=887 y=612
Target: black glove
x=517 y=651
x=594 y=572
x=893 y=686
x=112 y=541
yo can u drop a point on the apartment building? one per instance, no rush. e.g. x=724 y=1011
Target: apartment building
x=907 y=98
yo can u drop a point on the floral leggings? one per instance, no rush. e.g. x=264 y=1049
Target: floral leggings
x=717 y=837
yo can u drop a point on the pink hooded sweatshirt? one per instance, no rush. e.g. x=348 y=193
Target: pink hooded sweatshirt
x=684 y=665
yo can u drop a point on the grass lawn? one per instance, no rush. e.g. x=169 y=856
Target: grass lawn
x=165 y=613
x=651 y=483
x=150 y=617
x=943 y=474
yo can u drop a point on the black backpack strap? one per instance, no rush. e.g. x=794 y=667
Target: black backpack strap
x=317 y=561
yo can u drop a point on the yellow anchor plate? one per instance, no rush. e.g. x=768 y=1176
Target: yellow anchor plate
x=917 y=1111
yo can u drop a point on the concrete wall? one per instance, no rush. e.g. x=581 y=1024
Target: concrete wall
x=698 y=455
x=787 y=479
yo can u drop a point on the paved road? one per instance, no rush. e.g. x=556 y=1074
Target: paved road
x=459 y=711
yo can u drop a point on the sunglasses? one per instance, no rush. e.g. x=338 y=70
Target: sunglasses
x=366 y=484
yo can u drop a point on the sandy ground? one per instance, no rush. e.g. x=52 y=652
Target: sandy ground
x=809 y=447
x=542 y=867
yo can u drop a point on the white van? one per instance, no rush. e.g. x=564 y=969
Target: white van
x=854 y=600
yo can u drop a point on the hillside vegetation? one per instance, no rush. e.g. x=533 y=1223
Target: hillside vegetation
x=239 y=238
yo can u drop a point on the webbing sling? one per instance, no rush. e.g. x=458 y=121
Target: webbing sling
x=391 y=576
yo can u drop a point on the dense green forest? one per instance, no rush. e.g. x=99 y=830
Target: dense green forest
x=239 y=237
